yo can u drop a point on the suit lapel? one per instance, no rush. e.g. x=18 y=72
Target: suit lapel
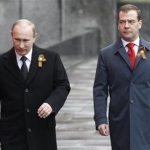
x=119 y=48
x=34 y=64
x=137 y=61
x=147 y=46
x=124 y=55
x=11 y=65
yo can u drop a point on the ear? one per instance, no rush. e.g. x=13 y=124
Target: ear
x=35 y=36
x=118 y=26
x=140 y=24
x=11 y=33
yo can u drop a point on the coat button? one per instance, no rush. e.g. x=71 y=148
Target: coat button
x=26 y=90
x=28 y=110
x=132 y=101
x=131 y=83
x=29 y=129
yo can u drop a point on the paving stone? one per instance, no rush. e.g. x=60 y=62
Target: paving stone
x=75 y=124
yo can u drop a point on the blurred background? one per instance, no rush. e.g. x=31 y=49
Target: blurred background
x=69 y=26
x=77 y=30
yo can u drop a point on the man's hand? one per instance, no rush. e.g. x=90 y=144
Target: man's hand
x=103 y=129
x=44 y=110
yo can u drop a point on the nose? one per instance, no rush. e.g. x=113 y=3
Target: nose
x=21 y=45
x=126 y=24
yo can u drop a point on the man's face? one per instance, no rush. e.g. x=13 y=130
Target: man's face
x=129 y=25
x=23 y=38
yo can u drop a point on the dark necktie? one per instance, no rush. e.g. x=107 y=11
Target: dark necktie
x=24 y=69
x=131 y=54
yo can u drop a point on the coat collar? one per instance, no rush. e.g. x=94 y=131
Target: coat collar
x=11 y=65
x=34 y=64
x=145 y=44
x=119 y=48
x=118 y=45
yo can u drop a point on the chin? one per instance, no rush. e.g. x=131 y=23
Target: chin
x=128 y=39
x=21 y=53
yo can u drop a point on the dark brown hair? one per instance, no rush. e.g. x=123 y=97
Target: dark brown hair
x=128 y=7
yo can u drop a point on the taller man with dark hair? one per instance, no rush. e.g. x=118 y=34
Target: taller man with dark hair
x=123 y=73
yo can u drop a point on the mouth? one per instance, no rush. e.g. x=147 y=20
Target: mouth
x=126 y=32
x=21 y=50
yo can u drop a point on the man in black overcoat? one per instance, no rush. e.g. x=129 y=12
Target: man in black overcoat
x=32 y=91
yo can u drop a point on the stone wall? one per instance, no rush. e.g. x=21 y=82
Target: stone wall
x=46 y=16
x=86 y=44
x=60 y=20
x=78 y=16
x=7 y=16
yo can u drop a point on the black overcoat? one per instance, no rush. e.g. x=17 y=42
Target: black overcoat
x=21 y=99
x=129 y=108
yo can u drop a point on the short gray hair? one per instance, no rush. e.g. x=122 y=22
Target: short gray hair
x=24 y=21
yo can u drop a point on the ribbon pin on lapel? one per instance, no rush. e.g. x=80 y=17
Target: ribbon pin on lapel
x=41 y=59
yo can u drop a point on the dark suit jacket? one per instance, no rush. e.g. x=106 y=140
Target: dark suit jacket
x=129 y=109
x=20 y=99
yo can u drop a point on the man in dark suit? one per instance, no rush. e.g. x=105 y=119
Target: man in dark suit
x=32 y=91
x=123 y=71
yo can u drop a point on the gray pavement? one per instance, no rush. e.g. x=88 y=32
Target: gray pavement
x=75 y=125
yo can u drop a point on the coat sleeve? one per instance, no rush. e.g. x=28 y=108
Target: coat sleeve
x=61 y=86
x=100 y=92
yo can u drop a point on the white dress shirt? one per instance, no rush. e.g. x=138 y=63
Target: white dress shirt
x=28 y=61
x=136 y=46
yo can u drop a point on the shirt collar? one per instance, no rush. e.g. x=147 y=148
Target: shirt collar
x=136 y=42
x=28 y=55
